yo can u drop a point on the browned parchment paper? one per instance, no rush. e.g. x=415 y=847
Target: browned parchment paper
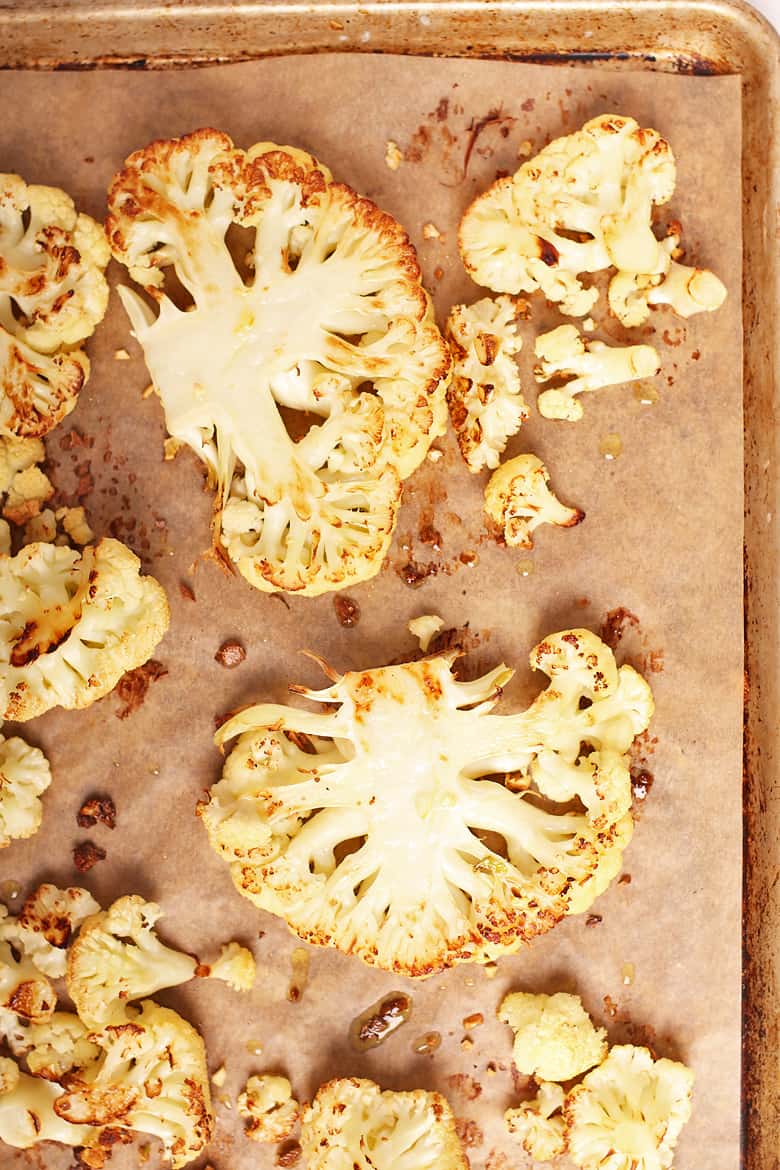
x=662 y=538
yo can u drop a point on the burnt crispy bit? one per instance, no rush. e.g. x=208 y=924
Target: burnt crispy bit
x=97 y=808
x=86 y=855
x=230 y=654
x=132 y=688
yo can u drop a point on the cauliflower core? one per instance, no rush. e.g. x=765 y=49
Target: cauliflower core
x=52 y=295
x=583 y=204
x=24 y=775
x=367 y=828
x=628 y=1113
x=269 y=1107
x=589 y=365
x=485 y=398
x=332 y=324
x=539 y=1123
x=71 y=624
x=518 y=499
x=555 y=1039
x=352 y=1123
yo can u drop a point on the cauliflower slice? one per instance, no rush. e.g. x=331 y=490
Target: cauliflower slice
x=555 y=1039
x=269 y=1107
x=407 y=767
x=150 y=1077
x=352 y=1123
x=18 y=455
x=52 y=296
x=54 y=1048
x=72 y=623
x=47 y=923
x=24 y=776
x=628 y=1113
x=539 y=1123
x=485 y=397
x=333 y=323
x=518 y=498
x=24 y=990
x=582 y=204
x=591 y=365
x=27 y=1114
x=687 y=290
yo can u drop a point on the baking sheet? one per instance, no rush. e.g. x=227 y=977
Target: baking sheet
x=662 y=538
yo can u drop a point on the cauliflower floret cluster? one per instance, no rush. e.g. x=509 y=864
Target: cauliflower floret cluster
x=539 y=1123
x=555 y=1039
x=518 y=499
x=269 y=1107
x=353 y=1123
x=332 y=322
x=72 y=624
x=485 y=397
x=52 y=296
x=24 y=776
x=408 y=764
x=589 y=365
x=688 y=290
x=583 y=204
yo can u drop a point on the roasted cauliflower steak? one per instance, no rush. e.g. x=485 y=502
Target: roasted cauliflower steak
x=329 y=325
x=367 y=827
x=72 y=623
x=52 y=296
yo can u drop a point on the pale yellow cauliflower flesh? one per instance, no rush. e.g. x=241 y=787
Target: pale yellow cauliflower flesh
x=352 y=1124
x=52 y=296
x=270 y=1110
x=24 y=777
x=539 y=1123
x=410 y=761
x=71 y=624
x=588 y=365
x=555 y=1039
x=331 y=320
x=518 y=499
x=485 y=396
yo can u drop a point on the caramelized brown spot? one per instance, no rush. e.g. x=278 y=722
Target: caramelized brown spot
x=230 y=654
x=347 y=611
x=132 y=688
x=86 y=855
x=97 y=808
x=615 y=625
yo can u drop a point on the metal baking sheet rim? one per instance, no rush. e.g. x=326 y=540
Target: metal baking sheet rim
x=725 y=36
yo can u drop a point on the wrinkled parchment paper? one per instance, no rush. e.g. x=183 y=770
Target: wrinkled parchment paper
x=662 y=538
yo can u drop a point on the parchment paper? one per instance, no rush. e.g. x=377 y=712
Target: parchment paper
x=662 y=538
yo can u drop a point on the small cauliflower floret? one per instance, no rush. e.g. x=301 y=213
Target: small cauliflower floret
x=117 y=958
x=518 y=498
x=55 y=1048
x=235 y=966
x=18 y=455
x=591 y=365
x=582 y=204
x=150 y=1077
x=52 y=296
x=24 y=776
x=24 y=990
x=539 y=1123
x=333 y=322
x=628 y=1113
x=352 y=1123
x=41 y=528
x=687 y=290
x=485 y=398
x=269 y=1107
x=29 y=491
x=27 y=1114
x=555 y=1039
x=425 y=628
x=71 y=624
x=410 y=762
x=47 y=923
x=74 y=524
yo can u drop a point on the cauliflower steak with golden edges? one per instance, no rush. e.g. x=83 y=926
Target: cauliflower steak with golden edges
x=329 y=332
x=366 y=827
x=52 y=296
x=71 y=624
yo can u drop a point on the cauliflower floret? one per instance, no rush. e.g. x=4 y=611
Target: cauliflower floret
x=235 y=966
x=18 y=455
x=425 y=628
x=41 y=528
x=687 y=290
x=74 y=524
x=47 y=923
x=628 y=1113
x=409 y=764
x=117 y=958
x=555 y=1039
x=24 y=990
x=71 y=624
x=28 y=492
x=485 y=398
x=54 y=1048
x=590 y=365
x=269 y=1107
x=353 y=1123
x=539 y=1123
x=52 y=296
x=518 y=498
x=27 y=1114
x=583 y=203
x=24 y=776
x=151 y=1077
x=333 y=322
